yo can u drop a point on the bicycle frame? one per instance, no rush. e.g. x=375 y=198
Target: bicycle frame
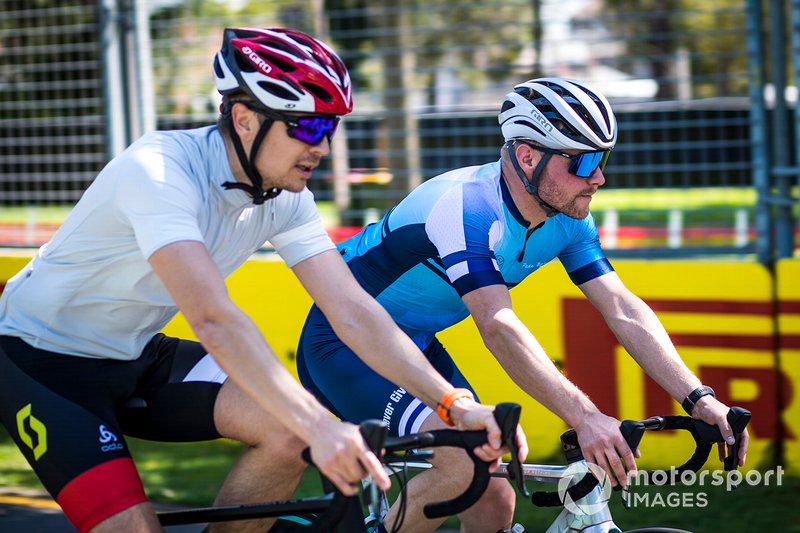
x=598 y=522
x=594 y=515
x=566 y=521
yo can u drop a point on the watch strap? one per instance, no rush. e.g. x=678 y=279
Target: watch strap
x=694 y=396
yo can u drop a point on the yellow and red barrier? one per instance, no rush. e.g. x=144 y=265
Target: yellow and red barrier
x=734 y=329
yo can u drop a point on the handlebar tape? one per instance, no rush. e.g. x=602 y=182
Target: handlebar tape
x=576 y=492
x=480 y=472
x=705 y=435
x=507 y=416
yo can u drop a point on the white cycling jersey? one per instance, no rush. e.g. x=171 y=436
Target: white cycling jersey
x=90 y=291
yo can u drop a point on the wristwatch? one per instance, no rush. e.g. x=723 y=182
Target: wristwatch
x=694 y=396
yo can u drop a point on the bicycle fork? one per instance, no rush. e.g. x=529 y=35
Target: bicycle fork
x=574 y=518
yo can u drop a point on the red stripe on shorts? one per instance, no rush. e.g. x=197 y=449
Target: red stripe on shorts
x=101 y=492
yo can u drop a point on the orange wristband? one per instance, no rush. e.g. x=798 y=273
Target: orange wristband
x=447 y=401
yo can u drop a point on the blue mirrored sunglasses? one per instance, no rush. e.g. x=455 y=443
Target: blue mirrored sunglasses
x=310 y=129
x=582 y=165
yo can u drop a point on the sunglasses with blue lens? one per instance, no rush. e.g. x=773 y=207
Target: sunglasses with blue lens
x=310 y=129
x=583 y=164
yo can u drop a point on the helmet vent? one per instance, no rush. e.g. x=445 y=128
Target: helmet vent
x=318 y=91
x=530 y=125
x=290 y=81
x=279 y=62
x=218 y=68
x=278 y=91
x=275 y=44
x=305 y=42
x=506 y=106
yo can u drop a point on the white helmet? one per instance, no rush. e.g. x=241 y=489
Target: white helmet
x=558 y=113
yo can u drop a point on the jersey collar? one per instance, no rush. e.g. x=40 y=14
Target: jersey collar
x=512 y=207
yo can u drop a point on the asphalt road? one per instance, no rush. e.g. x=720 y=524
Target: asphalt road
x=24 y=511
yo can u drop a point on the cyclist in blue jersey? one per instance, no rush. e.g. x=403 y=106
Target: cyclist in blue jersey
x=82 y=359
x=455 y=246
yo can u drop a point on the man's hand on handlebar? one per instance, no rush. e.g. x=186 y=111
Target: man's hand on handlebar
x=712 y=411
x=470 y=415
x=602 y=444
x=339 y=451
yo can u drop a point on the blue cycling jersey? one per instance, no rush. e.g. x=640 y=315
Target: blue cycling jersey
x=453 y=234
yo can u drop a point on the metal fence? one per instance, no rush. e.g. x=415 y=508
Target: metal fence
x=51 y=101
x=706 y=157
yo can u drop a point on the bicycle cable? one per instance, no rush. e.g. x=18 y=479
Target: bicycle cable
x=401 y=474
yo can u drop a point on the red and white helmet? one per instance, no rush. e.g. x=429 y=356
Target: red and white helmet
x=284 y=70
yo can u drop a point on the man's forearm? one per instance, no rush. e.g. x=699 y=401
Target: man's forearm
x=644 y=337
x=241 y=350
x=526 y=362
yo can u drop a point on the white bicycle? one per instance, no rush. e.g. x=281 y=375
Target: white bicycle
x=583 y=498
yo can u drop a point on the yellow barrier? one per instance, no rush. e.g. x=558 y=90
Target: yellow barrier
x=720 y=316
x=788 y=338
x=11 y=264
x=268 y=291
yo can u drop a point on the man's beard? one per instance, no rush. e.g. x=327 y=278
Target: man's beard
x=567 y=204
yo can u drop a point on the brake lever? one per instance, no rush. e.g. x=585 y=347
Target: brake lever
x=374 y=433
x=738 y=419
x=632 y=431
x=507 y=416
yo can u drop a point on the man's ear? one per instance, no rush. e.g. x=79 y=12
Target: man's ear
x=244 y=120
x=524 y=154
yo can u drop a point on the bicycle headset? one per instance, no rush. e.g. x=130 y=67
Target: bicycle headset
x=557 y=114
x=276 y=70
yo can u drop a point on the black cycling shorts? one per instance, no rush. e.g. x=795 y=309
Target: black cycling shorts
x=68 y=416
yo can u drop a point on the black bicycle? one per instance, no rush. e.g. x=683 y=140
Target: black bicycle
x=336 y=513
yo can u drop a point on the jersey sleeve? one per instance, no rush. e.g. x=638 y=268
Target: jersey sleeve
x=583 y=258
x=301 y=233
x=464 y=227
x=158 y=197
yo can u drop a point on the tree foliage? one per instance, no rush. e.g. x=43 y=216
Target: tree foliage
x=653 y=32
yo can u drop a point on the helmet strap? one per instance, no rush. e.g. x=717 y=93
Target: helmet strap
x=255 y=188
x=532 y=185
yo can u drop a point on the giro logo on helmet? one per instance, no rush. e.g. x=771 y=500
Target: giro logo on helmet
x=541 y=119
x=257 y=59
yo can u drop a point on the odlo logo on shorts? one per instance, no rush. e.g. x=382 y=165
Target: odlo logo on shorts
x=108 y=440
x=32 y=432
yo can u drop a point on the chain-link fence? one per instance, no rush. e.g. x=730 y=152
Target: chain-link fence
x=688 y=79
x=51 y=101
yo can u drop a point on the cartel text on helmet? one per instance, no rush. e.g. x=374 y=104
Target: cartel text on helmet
x=257 y=59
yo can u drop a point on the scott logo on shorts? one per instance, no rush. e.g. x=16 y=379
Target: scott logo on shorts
x=108 y=440
x=38 y=430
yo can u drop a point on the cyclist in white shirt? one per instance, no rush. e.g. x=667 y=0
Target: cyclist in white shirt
x=156 y=233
